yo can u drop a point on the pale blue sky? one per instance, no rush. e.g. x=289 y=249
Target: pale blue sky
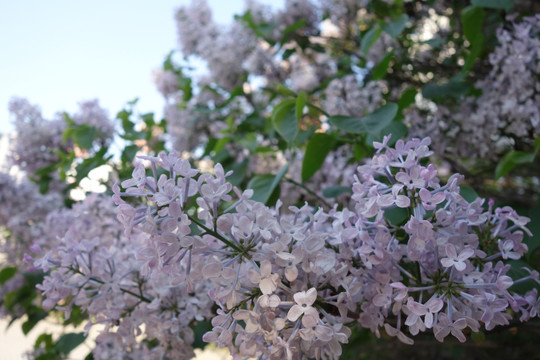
x=57 y=53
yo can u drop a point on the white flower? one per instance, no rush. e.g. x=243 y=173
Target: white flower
x=267 y=281
x=303 y=300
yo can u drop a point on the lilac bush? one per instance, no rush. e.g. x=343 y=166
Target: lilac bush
x=303 y=193
x=287 y=282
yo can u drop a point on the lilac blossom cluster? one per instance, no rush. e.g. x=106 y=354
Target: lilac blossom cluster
x=230 y=51
x=91 y=264
x=508 y=110
x=236 y=57
x=350 y=96
x=220 y=48
x=290 y=284
x=37 y=139
x=91 y=113
x=23 y=218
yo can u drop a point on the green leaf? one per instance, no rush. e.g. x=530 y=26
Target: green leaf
x=263 y=30
x=237 y=91
x=494 y=4
x=33 y=319
x=360 y=151
x=468 y=193
x=287 y=53
x=261 y=185
x=348 y=123
x=536 y=144
x=397 y=26
x=148 y=119
x=472 y=19
x=69 y=342
x=372 y=123
x=300 y=103
x=221 y=143
x=84 y=135
x=184 y=83
x=335 y=191
x=249 y=141
x=303 y=136
x=292 y=28
x=407 y=98
x=317 y=149
x=454 y=88
x=133 y=102
x=129 y=152
x=476 y=50
x=44 y=338
x=68 y=133
x=264 y=185
x=199 y=329
x=239 y=172
x=283 y=90
x=124 y=115
x=253 y=122
x=6 y=274
x=46 y=170
x=380 y=118
x=369 y=39
x=317 y=109
x=379 y=71
x=396 y=128
x=397 y=215
x=284 y=119
x=91 y=163
x=511 y=160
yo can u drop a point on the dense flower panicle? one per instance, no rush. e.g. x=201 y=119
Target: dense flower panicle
x=91 y=113
x=92 y=266
x=36 y=137
x=194 y=22
x=23 y=215
x=237 y=57
x=23 y=218
x=399 y=250
x=166 y=82
x=287 y=284
x=347 y=96
x=508 y=109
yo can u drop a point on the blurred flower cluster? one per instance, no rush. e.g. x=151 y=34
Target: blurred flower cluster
x=301 y=193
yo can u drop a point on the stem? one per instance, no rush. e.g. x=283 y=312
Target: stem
x=309 y=191
x=216 y=235
x=126 y=291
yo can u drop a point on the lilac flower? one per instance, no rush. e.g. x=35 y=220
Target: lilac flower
x=431 y=307
x=430 y=201
x=445 y=326
x=455 y=260
x=267 y=281
x=303 y=304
